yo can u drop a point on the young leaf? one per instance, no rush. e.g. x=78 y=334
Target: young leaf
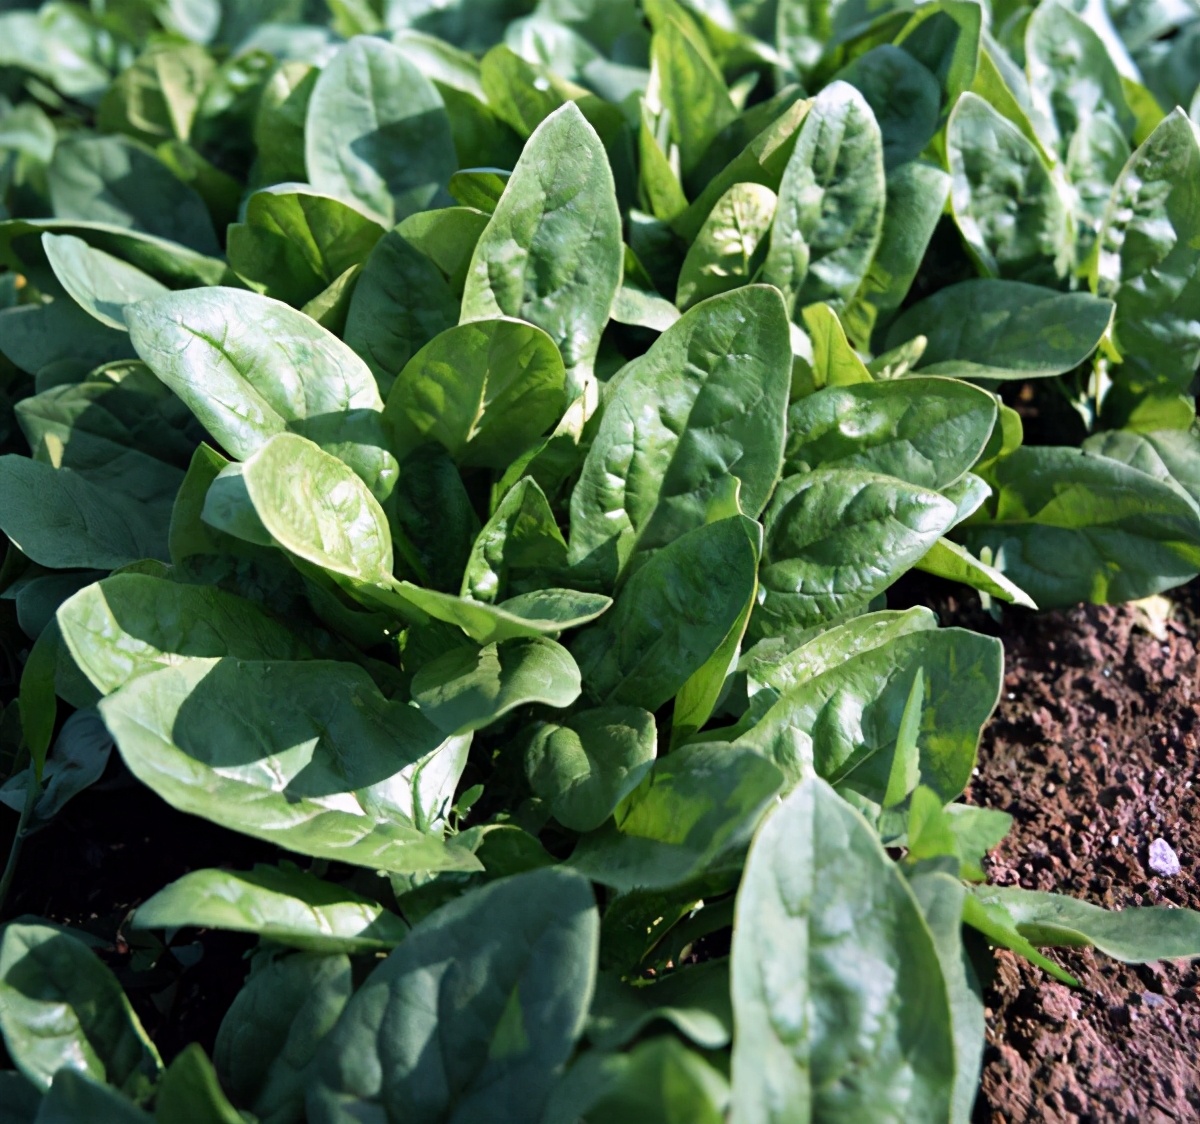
x=552 y=252
x=841 y=1009
x=453 y=1028
x=926 y=431
x=294 y=242
x=670 y=617
x=586 y=765
x=190 y=1093
x=277 y=903
x=468 y=689
x=834 y=539
x=100 y=284
x=377 y=133
x=730 y=246
x=692 y=813
x=485 y=390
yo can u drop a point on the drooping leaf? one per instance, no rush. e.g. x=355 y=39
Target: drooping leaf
x=277 y=903
x=61 y=1007
x=99 y=283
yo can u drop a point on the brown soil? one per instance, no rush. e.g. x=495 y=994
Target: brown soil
x=1094 y=751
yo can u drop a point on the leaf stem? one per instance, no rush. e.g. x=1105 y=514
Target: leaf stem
x=32 y=791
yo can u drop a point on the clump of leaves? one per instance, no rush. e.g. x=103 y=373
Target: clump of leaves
x=468 y=446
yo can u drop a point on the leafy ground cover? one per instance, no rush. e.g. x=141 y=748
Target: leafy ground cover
x=461 y=453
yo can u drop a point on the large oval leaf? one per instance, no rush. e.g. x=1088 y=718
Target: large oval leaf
x=836 y=538
x=468 y=689
x=250 y=367
x=485 y=390
x=552 y=253
x=1003 y=330
x=307 y=755
x=102 y=285
x=129 y=624
x=707 y=400
x=926 y=431
x=453 y=1029
x=377 y=132
x=840 y=1008
x=843 y=716
x=1066 y=526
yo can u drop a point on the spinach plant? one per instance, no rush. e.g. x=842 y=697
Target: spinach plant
x=467 y=446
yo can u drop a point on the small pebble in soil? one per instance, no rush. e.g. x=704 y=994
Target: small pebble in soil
x=1152 y=999
x=1163 y=859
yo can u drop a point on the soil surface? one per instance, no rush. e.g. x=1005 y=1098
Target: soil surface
x=1095 y=751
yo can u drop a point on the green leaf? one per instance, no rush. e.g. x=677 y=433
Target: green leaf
x=61 y=520
x=306 y=755
x=448 y=237
x=1003 y=330
x=452 y=1028
x=519 y=548
x=660 y=1081
x=926 y=431
x=76 y=1099
x=916 y=197
x=1067 y=526
x=294 y=242
x=468 y=689
x=586 y=765
x=270 y=1035
x=670 y=617
x=400 y=303
x=708 y=399
x=156 y=98
x=840 y=1002
x=1135 y=936
x=831 y=203
x=691 y=88
x=952 y=561
x=190 y=1093
x=99 y=283
x=834 y=539
x=552 y=252
x=129 y=624
x=843 y=709
x=731 y=245
x=692 y=813
x=112 y=180
x=539 y=612
x=941 y=898
x=60 y=1006
x=904 y=97
x=36 y=336
x=1072 y=77
x=276 y=903
x=377 y=133
x=250 y=368
x=485 y=390
x=279 y=122
x=693 y=999
x=1008 y=205
x=19 y=1100
x=1171 y=455
x=1147 y=258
